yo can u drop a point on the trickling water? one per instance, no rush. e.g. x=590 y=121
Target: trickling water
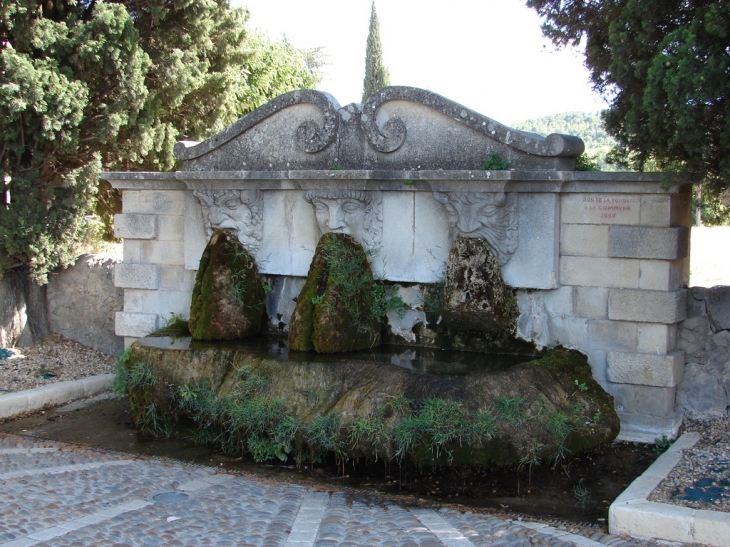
x=432 y=361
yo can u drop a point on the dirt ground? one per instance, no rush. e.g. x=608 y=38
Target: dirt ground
x=709 y=263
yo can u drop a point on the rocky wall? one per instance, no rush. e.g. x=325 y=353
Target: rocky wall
x=705 y=338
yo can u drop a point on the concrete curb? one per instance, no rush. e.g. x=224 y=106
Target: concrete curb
x=59 y=393
x=631 y=513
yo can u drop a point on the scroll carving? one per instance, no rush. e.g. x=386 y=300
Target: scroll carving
x=488 y=216
x=354 y=212
x=238 y=211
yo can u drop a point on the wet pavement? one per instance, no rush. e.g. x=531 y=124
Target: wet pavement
x=54 y=494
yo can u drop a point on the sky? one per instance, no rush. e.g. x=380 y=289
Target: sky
x=488 y=55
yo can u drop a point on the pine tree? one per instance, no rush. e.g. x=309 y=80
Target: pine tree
x=376 y=75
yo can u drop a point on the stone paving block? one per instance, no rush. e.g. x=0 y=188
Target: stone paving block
x=647 y=306
x=135 y=226
x=135 y=324
x=647 y=369
x=137 y=276
x=648 y=242
x=591 y=302
x=584 y=240
x=599 y=272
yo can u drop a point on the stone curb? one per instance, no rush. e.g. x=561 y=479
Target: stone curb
x=59 y=393
x=631 y=513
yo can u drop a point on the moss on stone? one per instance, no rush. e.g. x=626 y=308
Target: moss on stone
x=336 y=310
x=228 y=296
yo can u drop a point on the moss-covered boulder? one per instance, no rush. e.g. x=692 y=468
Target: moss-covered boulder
x=475 y=297
x=244 y=402
x=335 y=309
x=228 y=296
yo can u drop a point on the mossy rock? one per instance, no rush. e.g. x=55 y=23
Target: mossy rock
x=228 y=296
x=536 y=411
x=334 y=311
x=475 y=297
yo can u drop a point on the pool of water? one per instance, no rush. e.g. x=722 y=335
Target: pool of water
x=432 y=361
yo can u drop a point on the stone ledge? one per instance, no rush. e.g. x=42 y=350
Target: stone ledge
x=137 y=276
x=632 y=514
x=646 y=369
x=135 y=226
x=13 y=404
x=135 y=325
x=648 y=242
x=647 y=306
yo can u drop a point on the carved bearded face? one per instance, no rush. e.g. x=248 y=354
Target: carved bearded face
x=488 y=216
x=236 y=211
x=358 y=214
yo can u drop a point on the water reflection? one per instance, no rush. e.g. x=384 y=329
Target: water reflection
x=428 y=360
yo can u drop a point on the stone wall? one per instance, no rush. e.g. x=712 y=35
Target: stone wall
x=82 y=301
x=80 y=304
x=705 y=339
x=599 y=261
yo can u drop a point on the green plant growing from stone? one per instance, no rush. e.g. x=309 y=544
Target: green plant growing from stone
x=175 y=326
x=495 y=162
x=582 y=495
x=581 y=385
x=408 y=182
x=662 y=444
x=511 y=409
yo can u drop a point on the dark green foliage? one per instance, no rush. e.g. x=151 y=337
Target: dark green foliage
x=495 y=163
x=584 y=162
x=86 y=86
x=376 y=74
x=586 y=125
x=663 y=65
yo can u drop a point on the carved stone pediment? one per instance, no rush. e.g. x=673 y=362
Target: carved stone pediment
x=401 y=128
x=237 y=211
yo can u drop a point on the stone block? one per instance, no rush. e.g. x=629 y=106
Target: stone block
x=132 y=250
x=647 y=369
x=170 y=227
x=612 y=335
x=661 y=275
x=135 y=226
x=569 y=331
x=641 y=428
x=130 y=201
x=648 y=242
x=176 y=278
x=602 y=208
x=591 y=302
x=656 y=338
x=162 y=202
x=598 y=362
x=559 y=301
x=583 y=240
x=137 y=276
x=647 y=400
x=599 y=272
x=162 y=303
x=647 y=306
x=135 y=325
x=666 y=210
x=164 y=253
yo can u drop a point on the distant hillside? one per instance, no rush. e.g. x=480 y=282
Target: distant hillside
x=586 y=125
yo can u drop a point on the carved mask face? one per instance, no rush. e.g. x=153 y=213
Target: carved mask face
x=236 y=211
x=349 y=212
x=488 y=216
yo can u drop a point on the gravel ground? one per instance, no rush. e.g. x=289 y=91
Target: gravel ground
x=55 y=359
x=702 y=478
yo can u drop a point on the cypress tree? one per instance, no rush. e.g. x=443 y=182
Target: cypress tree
x=376 y=75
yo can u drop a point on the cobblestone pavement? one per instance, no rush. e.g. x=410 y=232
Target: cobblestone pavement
x=56 y=494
